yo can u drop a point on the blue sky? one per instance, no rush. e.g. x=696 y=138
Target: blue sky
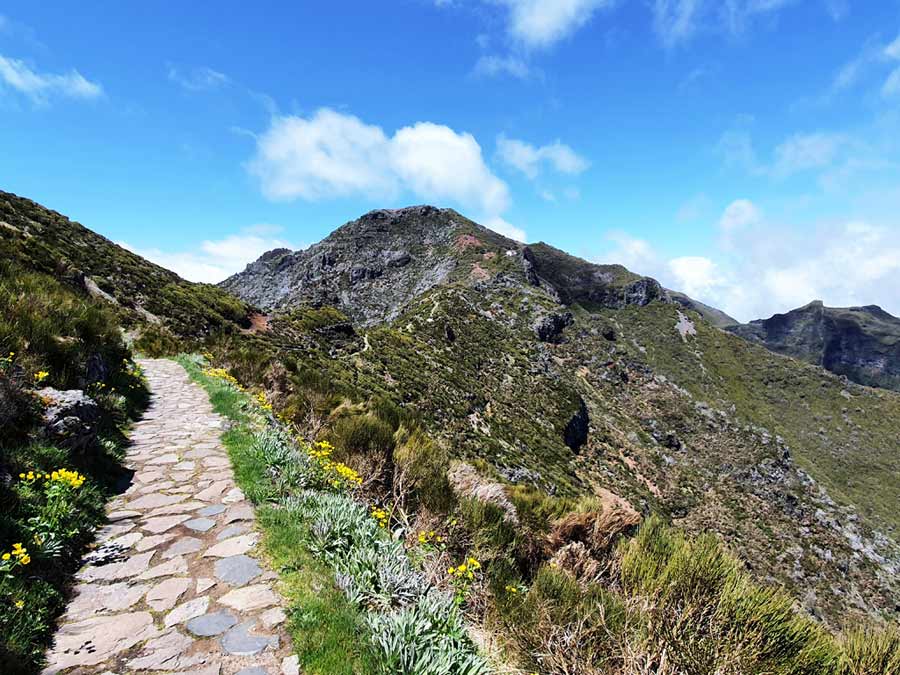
x=744 y=151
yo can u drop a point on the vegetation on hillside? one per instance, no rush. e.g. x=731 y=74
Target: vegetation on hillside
x=608 y=602
x=142 y=293
x=51 y=494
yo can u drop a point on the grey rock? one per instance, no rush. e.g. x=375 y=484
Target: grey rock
x=211 y=510
x=241 y=642
x=200 y=524
x=237 y=570
x=70 y=419
x=211 y=624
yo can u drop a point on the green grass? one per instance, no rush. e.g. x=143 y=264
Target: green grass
x=324 y=626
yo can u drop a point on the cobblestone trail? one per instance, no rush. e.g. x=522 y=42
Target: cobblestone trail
x=173 y=585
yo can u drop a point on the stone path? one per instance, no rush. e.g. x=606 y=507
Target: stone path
x=173 y=585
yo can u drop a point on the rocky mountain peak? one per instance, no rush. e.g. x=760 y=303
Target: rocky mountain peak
x=373 y=267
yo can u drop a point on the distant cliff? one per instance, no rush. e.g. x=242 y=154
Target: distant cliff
x=862 y=343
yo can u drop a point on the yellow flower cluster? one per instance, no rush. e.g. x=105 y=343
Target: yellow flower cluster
x=263 y=401
x=71 y=478
x=430 y=537
x=224 y=375
x=381 y=516
x=40 y=376
x=465 y=570
x=512 y=590
x=343 y=475
x=18 y=554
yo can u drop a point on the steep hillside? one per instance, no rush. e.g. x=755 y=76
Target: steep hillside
x=43 y=240
x=716 y=317
x=580 y=379
x=862 y=343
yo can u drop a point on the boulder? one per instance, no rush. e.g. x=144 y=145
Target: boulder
x=71 y=418
x=549 y=328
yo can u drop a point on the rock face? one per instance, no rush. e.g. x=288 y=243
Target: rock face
x=862 y=343
x=373 y=267
x=70 y=418
x=549 y=328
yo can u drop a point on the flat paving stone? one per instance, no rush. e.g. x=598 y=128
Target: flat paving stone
x=237 y=570
x=240 y=641
x=208 y=625
x=200 y=524
x=233 y=546
x=211 y=510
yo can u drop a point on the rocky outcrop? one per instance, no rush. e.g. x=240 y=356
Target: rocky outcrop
x=861 y=343
x=549 y=328
x=576 y=432
x=369 y=268
x=71 y=418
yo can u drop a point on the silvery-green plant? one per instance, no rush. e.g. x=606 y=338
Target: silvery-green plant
x=426 y=638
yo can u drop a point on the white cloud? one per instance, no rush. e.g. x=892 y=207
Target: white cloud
x=528 y=159
x=676 y=20
x=739 y=214
x=198 y=79
x=40 y=87
x=542 y=23
x=892 y=51
x=331 y=154
x=492 y=66
x=775 y=267
x=215 y=260
x=695 y=275
x=507 y=229
x=801 y=152
x=891 y=86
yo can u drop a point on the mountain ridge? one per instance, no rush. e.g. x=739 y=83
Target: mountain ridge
x=861 y=343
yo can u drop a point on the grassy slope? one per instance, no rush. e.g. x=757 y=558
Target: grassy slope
x=847 y=444
x=46 y=241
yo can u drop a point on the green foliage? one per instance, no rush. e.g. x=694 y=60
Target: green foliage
x=50 y=328
x=371 y=569
x=42 y=240
x=871 y=651
x=54 y=521
x=420 y=471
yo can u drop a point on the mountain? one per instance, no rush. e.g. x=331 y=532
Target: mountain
x=861 y=343
x=375 y=266
x=42 y=240
x=551 y=373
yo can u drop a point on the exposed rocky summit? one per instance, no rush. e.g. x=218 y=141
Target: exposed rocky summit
x=373 y=267
x=862 y=343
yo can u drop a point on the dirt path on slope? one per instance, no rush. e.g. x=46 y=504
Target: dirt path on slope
x=173 y=585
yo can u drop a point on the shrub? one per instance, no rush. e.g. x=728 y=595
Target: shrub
x=420 y=471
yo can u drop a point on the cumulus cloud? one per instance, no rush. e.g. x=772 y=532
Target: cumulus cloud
x=491 y=65
x=40 y=87
x=529 y=159
x=215 y=260
x=542 y=23
x=332 y=154
x=775 y=267
x=507 y=229
x=198 y=79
